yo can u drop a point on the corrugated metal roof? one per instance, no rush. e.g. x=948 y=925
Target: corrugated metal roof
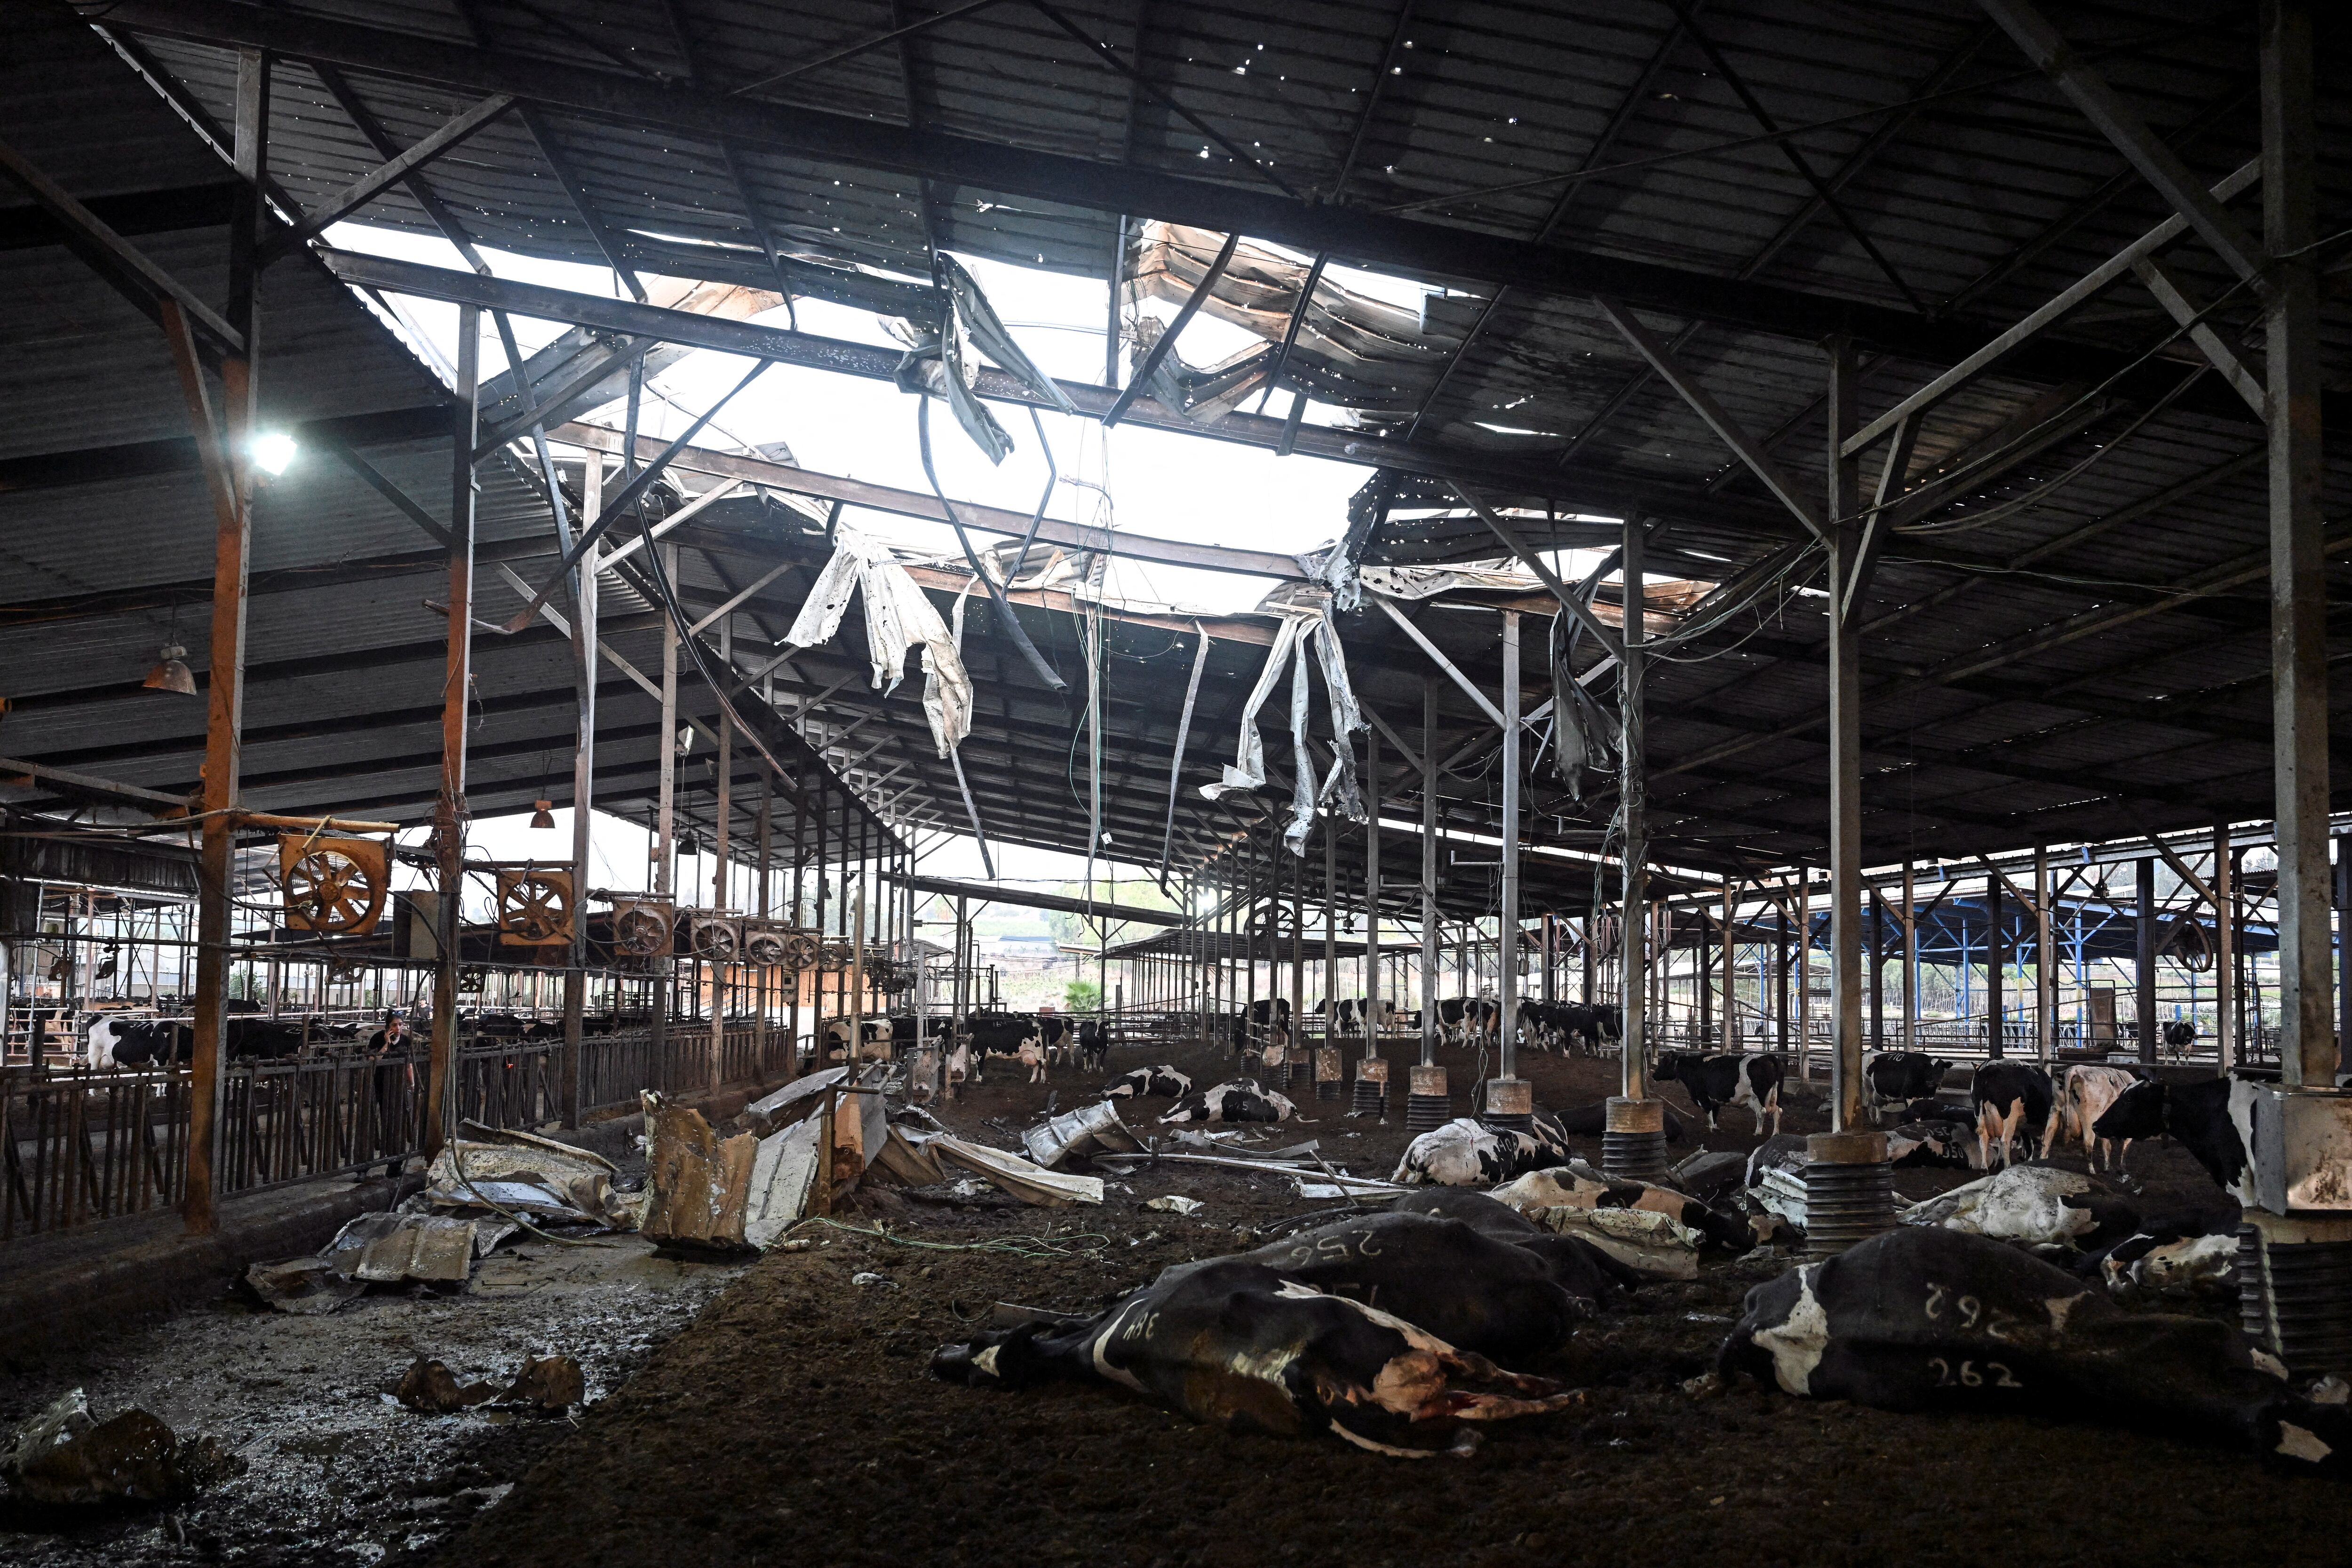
x=1974 y=203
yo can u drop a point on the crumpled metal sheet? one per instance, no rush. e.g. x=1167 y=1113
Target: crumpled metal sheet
x=784 y=1174
x=699 y=1184
x=386 y=1248
x=1025 y=1180
x=1307 y=623
x=538 y=1179
x=1089 y=1130
x=898 y=617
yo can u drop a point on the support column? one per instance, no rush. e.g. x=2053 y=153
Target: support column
x=722 y=972
x=1429 y=1103
x=1327 y=1055
x=1848 y=1188
x=1510 y=1101
x=2298 y=577
x=2344 y=955
x=2045 y=979
x=1730 y=968
x=584 y=592
x=2144 y=953
x=1633 y=1125
x=457 y=688
x=1910 y=961
x=1371 y=1074
x=1995 y=959
x=767 y=973
x=665 y=825
x=2225 y=952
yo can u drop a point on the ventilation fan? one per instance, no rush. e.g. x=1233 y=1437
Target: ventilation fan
x=332 y=886
x=715 y=938
x=534 y=908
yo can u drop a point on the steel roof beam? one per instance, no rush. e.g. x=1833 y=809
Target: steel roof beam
x=1375 y=239
x=2117 y=120
x=124 y=266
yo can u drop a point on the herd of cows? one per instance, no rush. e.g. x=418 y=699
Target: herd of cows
x=246 y=1036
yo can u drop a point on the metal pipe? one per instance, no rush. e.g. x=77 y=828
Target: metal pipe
x=2144 y=968
x=449 y=808
x=1633 y=798
x=1429 y=917
x=583 y=787
x=1371 y=895
x=1507 y=936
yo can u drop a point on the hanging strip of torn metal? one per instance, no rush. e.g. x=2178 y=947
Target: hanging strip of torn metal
x=1340 y=791
x=1247 y=771
x=1176 y=763
x=1302 y=765
x=899 y=617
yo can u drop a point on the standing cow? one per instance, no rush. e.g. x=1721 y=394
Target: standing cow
x=1716 y=1081
x=2009 y=1098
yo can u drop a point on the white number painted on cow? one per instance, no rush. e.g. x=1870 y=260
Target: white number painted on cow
x=1934 y=1300
x=1968 y=1377
x=1970 y=1310
x=1140 y=1325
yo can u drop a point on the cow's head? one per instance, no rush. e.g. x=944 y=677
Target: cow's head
x=2137 y=1113
x=1669 y=1067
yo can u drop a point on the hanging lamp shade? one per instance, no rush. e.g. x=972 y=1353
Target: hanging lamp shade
x=542 y=814
x=170 y=672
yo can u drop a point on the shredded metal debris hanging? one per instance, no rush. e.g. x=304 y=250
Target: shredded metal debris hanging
x=1307 y=621
x=898 y=617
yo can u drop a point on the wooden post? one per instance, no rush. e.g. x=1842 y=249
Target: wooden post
x=221 y=445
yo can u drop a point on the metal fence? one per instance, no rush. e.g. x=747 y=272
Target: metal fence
x=84 y=1144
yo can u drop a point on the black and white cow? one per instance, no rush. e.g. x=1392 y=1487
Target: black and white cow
x=1591 y=1276
x=1093 y=1045
x=1579 y=1186
x=1714 y=1082
x=1240 y=1101
x=1269 y=1013
x=2009 y=1098
x=1898 y=1078
x=1922 y=1319
x=875 y=1037
x=1460 y=1017
x=148 y=1042
x=1162 y=1082
x=1468 y=1153
x=1055 y=1034
x=1246 y=1345
x=2213 y=1119
x=1010 y=1035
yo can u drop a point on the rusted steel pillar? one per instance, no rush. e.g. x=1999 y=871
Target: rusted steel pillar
x=221 y=444
x=664 y=823
x=449 y=806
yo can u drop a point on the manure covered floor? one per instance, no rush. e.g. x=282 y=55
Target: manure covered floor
x=794 y=1422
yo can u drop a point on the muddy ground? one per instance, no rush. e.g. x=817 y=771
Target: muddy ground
x=794 y=1422
x=335 y=1471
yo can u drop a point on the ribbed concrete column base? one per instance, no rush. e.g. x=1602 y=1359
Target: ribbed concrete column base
x=1634 y=1141
x=2294 y=1289
x=1510 y=1103
x=1849 y=1191
x=1428 y=1104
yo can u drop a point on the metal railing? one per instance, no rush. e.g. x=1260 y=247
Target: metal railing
x=88 y=1144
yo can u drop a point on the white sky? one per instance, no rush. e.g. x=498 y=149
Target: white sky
x=1171 y=485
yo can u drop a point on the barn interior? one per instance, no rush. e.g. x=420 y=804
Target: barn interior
x=1537 y=587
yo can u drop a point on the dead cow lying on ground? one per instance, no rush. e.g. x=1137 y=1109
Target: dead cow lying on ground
x=1927 y=1318
x=1248 y=1345
x=1467 y=1154
x=1240 y=1101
